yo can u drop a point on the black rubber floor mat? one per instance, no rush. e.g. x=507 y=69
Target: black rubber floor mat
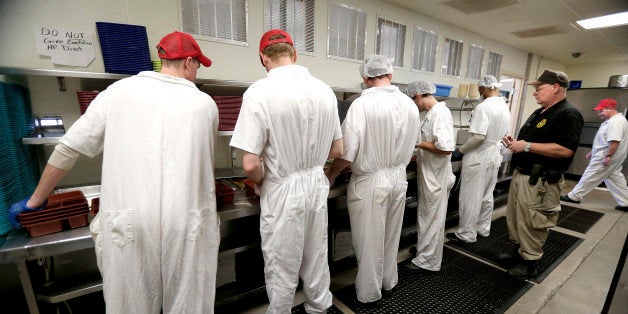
x=557 y=247
x=464 y=285
x=577 y=219
x=299 y=309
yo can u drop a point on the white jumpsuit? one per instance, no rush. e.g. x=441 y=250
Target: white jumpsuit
x=480 y=167
x=290 y=119
x=379 y=134
x=157 y=232
x=435 y=179
x=613 y=129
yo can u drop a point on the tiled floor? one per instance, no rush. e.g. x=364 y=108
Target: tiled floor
x=578 y=285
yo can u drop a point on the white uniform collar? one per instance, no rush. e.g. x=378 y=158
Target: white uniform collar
x=436 y=105
x=288 y=69
x=166 y=78
x=380 y=89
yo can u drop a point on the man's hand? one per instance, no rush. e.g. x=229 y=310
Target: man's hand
x=20 y=207
x=606 y=161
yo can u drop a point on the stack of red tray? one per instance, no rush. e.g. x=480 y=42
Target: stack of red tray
x=250 y=187
x=85 y=98
x=228 y=110
x=63 y=211
x=224 y=193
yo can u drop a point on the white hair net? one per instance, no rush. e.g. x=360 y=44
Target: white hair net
x=490 y=82
x=420 y=87
x=376 y=65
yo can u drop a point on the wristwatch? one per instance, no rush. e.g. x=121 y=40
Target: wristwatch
x=527 y=148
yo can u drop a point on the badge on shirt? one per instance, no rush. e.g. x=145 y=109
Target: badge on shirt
x=541 y=123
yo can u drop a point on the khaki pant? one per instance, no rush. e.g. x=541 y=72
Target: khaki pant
x=530 y=214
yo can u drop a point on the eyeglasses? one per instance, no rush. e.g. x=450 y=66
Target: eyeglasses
x=536 y=90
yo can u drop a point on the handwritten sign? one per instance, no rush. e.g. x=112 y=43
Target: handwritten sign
x=65 y=47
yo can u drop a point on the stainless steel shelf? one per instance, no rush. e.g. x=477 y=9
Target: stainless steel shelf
x=503 y=177
x=61 y=73
x=71 y=287
x=41 y=140
x=225 y=173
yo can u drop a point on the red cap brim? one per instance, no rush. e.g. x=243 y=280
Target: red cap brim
x=205 y=61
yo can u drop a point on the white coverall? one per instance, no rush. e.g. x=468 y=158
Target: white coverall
x=613 y=129
x=379 y=134
x=290 y=119
x=480 y=166
x=435 y=179
x=157 y=232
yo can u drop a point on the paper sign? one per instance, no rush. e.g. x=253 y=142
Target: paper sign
x=65 y=47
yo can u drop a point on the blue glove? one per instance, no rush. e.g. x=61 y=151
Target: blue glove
x=20 y=207
x=457 y=155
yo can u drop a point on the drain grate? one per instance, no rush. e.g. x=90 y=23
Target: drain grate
x=557 y=247
x=464 y=285
x=577 y=219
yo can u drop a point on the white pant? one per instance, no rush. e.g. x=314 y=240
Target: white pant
x=376 y=205
x=595 y=173
x=477 y=182
x=146 y=265
x=293 y=227
x=433 y=187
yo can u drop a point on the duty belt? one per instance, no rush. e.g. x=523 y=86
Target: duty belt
x=524 y=171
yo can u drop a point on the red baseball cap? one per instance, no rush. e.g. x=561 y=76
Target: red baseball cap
x=606 y=103
x=267 y=41
x=180 y=45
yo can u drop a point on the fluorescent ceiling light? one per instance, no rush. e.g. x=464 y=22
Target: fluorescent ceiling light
x=605 y=21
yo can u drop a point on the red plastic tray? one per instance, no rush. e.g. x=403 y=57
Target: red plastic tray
x=50 y=214
x=58 y=225
x=224 y=193
x=95 y=205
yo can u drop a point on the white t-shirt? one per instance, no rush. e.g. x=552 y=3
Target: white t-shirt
x=613 y=129
x=288 y=118
x=380 y=130
x=491 y=118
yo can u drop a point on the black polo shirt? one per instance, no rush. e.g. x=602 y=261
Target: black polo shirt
x=560 y=124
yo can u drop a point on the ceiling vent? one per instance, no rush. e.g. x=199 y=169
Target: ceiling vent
x=538 y=32
x=473 y=7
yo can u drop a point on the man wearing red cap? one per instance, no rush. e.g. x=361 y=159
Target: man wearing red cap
x=607 y=155
x=287 y=128
x=156 y=234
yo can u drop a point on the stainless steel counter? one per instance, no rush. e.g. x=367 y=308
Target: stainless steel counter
x=18 y=247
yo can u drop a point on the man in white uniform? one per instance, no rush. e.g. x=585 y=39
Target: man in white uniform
x=157 y=232
x=482 y=157
x=434 y=178
x=287 y=128
x=379 y=133
x=607 y=155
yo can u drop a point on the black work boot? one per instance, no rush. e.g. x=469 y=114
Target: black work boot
x=524 y=270
x=508 y=260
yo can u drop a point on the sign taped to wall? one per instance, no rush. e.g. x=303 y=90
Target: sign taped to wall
x=65 y=47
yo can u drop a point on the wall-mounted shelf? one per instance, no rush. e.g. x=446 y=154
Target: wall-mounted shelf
x=61 y=73
x=41 y=140
x=465 y=104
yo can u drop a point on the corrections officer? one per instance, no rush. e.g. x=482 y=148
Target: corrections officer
x=543 y=150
